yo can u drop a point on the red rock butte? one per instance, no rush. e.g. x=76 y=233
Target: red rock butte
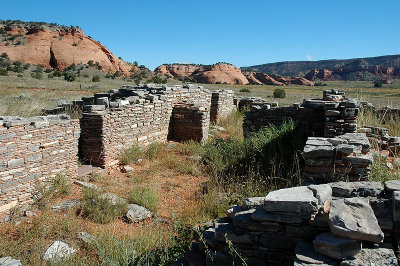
x=59 y=47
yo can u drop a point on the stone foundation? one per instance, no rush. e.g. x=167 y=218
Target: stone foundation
x=221 y=104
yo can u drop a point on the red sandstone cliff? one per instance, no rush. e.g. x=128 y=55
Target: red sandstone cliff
x=58 y=47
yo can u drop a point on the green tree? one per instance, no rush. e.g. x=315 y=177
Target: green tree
x=279 y=93
x=96 y=79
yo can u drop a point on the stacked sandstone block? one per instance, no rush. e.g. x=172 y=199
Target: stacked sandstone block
x=346 y=157
x=189 y=122
x=243 y=103
x=33 y=149
x=221 y=104
x=331 y=224
x=141 y=115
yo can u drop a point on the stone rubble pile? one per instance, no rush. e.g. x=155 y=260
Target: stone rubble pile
x=330 y=224
x=243 y=103
x=346 y=157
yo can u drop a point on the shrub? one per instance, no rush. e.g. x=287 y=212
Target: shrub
x=144 y=196
x=3 y=72
x=90 y=63
x=154 y=150
x=69 y=76
x=96 y=79
x=378 y=84
x=37 y=75
x=320 y=84
x=4 y=55
x=279 y=93
x=20 y=76
x=100 y=209
x=245 y=90
x=18 y=42
x=74 y=44
x=131 y=154
x=61 y=184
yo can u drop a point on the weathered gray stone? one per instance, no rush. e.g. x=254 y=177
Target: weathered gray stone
x=319 y=151
x=299 y=200
x=8 y=261
x=378 y=256
x=306 y=255
x=348 y=149
x=263 y=216
x=336 y=247
x=66 y=205
x=354 y=218
x=392 y=185
x=254 y=202
x=279 y=241
x=15 y=162
x=58 y=251
x=127 y=169
x=321 y=192
x=137 y=213
x=356 y=189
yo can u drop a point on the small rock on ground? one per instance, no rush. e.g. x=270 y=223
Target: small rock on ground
x=137 y=213
x=306 y=255
x=86 y=237
x=8 y=261
x=86 y=184
x=114 y=199
x=58 y=250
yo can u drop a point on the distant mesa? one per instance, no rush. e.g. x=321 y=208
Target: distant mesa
x=367 y=69
x=55 y=46
x=225 y=73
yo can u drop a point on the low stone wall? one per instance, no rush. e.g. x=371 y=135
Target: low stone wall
x=331 y=224
x=347 y=157
x=33 y=149
x=334 y=115
x=189 y=122
x=141 y=115
x=221 y=104
x=380 y=136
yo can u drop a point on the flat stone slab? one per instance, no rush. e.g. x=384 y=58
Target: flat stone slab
x=306 y=255
x=336 y=247
x=298 y=200
x=356 y=189
x=225 y=231
x=66 y=205
x=58 y=251
x=243 y=220
x=86 y=184
x=137 y=213
x=8 y=261
x=354 y=218
x=378 y=256
x=392 y=185
x=254 y=202
x=396 y=206
x=263 y=216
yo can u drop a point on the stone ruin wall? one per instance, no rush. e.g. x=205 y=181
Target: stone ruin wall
x=221 y=104
x=142 y=116
x=333 y=115
x=34 y=149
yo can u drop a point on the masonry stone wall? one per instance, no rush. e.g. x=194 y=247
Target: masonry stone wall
x=221 y=104
x=33 y=149
x=141 y=115
x=333 y=115
x=347 y=157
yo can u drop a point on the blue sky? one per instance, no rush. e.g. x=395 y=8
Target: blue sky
x=236 y=31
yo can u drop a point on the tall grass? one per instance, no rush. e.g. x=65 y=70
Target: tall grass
x=368 y=117
x=144 y=196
